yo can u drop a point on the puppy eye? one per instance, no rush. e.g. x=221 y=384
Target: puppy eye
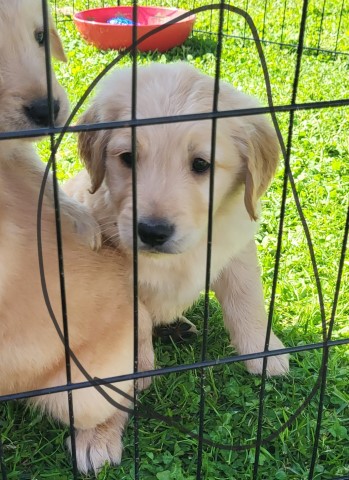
x=199 y=165
x=39 y=37
x=126 y=159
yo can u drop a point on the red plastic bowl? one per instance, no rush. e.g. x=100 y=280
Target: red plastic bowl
x=93 y=26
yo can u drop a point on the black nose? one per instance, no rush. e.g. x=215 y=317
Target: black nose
x=155 y=232
x=39 y=113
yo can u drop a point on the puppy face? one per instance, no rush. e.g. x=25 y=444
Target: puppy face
x=23 y=85
x=173 y=160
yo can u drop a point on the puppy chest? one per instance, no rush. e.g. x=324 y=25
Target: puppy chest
x=167 y=292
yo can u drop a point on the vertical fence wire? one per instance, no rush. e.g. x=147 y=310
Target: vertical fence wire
x=264 y=17
x=303 y=221
x=59 y=236
x=321 y=24
x=283 y=22
x=245 y=25
x=135 y=232
x=280 y=236
x=326 y=351
x=339 y=25
x=209 y=240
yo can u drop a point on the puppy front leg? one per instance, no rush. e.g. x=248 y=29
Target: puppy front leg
x=145 y=346
x=76 y=213
x=96 y=446
x=81 y=218
x=240 y=292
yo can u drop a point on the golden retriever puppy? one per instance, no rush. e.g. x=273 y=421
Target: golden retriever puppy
x=100 y=318
x=24 y=98
x=173 y=171
x=99 y=301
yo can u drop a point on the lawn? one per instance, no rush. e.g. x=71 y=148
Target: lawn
x=34 y=446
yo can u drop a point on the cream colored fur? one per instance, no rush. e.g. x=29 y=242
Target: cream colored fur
x=22 y=81
x=172 y=275
x=99 y=301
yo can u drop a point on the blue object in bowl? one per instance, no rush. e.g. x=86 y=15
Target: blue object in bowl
x=120 y=21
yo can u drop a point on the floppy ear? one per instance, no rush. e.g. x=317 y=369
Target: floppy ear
x=259 y=148
x=92 y=148
x=56 y=43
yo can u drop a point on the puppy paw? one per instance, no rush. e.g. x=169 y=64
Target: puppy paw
x=84 y=223
x=99 y=445
x=145 y=362
x=276 y=365
x=89 y=230
x=143 y=383
x=179 y=331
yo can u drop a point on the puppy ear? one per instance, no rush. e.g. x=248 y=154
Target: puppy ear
x=259 y=148
x=92 y=148
x=56 y=43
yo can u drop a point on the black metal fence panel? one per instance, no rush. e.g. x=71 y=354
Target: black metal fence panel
x=253 y=423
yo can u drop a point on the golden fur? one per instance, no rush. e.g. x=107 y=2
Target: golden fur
x=173 y=198
x=99 y=302
x=23 y=82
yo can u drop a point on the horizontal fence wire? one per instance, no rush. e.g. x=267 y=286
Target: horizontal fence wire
x=94 y=382
x=325 y=346
x=91 y=127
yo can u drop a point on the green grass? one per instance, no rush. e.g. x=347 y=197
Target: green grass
x=34 y=446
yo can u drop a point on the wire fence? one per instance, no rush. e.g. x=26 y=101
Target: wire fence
x=321 y=29
x=277 y=22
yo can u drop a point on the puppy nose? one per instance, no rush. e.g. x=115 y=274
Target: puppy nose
x=155 y=232
x=39 y=113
